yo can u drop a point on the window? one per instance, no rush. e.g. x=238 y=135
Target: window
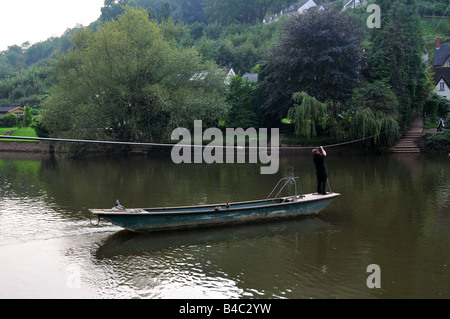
x=441 y=86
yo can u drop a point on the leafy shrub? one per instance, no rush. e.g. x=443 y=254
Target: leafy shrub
x=437 y=141
x=40 y=128
x=9 y=120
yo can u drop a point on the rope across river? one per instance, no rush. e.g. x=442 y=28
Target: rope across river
x=64 y=140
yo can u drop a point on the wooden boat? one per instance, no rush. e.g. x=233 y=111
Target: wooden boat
x=187 y=217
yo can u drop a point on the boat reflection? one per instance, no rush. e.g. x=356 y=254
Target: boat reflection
x=127 y=243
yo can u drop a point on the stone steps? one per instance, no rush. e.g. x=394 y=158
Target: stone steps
x=408 y=143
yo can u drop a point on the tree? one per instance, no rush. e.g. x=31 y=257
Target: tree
x=318 y=54
x=369 y=123
x=396 y=56
x=28 y=118
x=112 y=9
x=241 y=96
x=241 y=11
x=165 y=12
x=128 y=82
x=307 y=113
x=376 y=96
x=9 y=120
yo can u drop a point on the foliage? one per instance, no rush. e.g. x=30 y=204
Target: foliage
x=128 y=82
x=241 y=97
x=376 y=130
x=433 y=8
x=396 y=56
x=39 y=127
x=28 y=118
x=436 y=106
x=187 y=11
x=307 y=113
x=230 y=34
x=376 y=96
x=318 y=54
x=437 y=141
x=369 y=123
x=9 y=120
x=25 y=72
x=241 y=11
x=235 y=46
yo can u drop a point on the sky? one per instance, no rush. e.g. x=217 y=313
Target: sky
x=38 y=20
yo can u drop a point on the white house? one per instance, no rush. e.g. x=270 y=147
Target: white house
x=251 y=77
x=353 y=3
x=229 y=73
x=443 y=86
x=301 y=6
x=292 y=11
x=441 y=69
x=200 y=76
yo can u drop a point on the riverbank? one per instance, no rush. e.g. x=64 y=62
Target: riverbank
x=55 y=148
x=68 y=149
x=24 y=147
x=65 y=149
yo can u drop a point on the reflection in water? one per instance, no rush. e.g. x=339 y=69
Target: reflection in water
x=220 y=262
x=129 y=243
x=393 y=211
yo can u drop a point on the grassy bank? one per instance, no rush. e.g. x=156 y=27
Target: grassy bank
x=23 y=131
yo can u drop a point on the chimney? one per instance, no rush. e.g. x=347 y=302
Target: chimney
x=438 y=44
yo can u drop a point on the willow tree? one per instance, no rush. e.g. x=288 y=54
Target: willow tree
x=128 y=81
x=307 y=113
x=380 y=128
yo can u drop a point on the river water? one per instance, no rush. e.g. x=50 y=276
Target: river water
x=393 y=212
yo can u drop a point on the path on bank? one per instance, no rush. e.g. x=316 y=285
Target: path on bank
x=408 y=143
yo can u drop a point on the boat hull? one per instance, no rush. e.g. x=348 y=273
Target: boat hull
x=178 y=218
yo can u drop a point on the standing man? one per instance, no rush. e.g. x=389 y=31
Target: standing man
x=440 y=125
x=321 y=171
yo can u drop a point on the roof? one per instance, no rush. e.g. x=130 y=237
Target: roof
x=298 y=4
x=324 y=6
x=6 y=109
x=354 y=3
x=441 y=55
x=251 y=77
x=327 y=5
x=439 y=73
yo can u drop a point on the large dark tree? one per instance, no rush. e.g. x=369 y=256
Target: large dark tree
x=318 y=54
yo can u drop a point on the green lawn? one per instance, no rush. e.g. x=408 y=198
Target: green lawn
x=4 y=130
x=24 y=131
